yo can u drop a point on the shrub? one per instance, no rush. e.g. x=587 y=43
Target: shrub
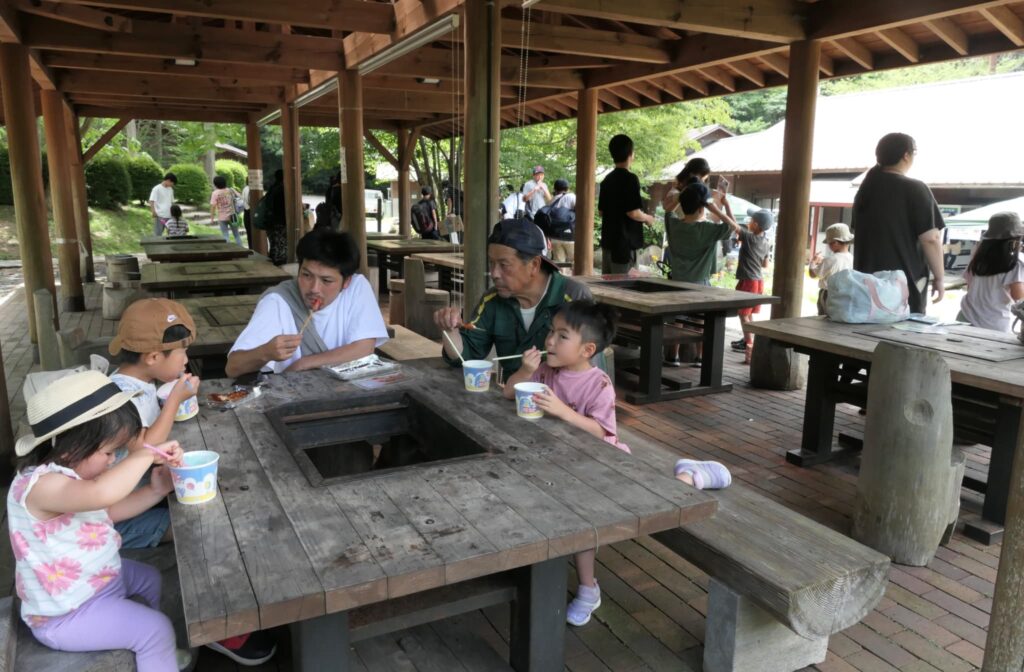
x=107 y=182
x=145 y=173
x=234 y=172
x=193 y=187
x=6 y=190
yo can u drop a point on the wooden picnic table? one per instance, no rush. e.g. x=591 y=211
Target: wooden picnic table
x=392 y=253
x=379 y=235
x=237 y=276
x=187 y=240
x=449 y=265
x=987 y=372
x=650 y=300
x=357 y=556
x=169 y=249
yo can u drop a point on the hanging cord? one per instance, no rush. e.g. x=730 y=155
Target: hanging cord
x=454 y=173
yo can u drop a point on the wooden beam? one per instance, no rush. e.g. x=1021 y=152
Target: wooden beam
x=566 y=62
x=163 y=112
x=402 y=83
x=904 y=45
x=178 y=41
x=692 y=80
x=82 y=16
x=374 y=99
x=160 y=66
x=777 y=62
x=77 y=81
x=607 y=97
x=748 y=70
x=379 y=146
x=1006 y=22
x=856 y=51
x=672 y=86
x=552 y=79
x=645 y=90
x=102 y=141
x=719 y=76
x=826 y=65
x=409 y=17
x=830 y=19
x=627 y=94
x=950 y=33
x=589 y=42
x=586 y=166
x=113 y=100
x=772 y=20
x=347 y=15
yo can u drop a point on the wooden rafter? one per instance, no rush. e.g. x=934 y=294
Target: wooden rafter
x=102 y=141
x=160 y=66
x=379 y=146
x=607 y=97
x=627 y=94
x=856 y=51
x=347 y=15
x=78 y=81
x=692 y=80
x=826 y=65
x=719 y=76
x=589 y=42
x=163 y=112
x=646 y=90
x=777 y=62
x=1006 y=22
x=410 y=16
x=830 y=19
x=82 y=16
x=950 y=33
x=902 y=43
x=747 y=70
x=670 y=85
x=773 y=20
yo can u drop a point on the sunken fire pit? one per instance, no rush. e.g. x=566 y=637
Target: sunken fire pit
x=338 y=439
x=645 y=286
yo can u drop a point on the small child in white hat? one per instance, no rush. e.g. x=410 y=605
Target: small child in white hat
x=838 y=237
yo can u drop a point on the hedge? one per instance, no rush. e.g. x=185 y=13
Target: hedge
x=6 y=191
x=145 y=173
x=193 y=187
x=107 y=182
x=234 y=172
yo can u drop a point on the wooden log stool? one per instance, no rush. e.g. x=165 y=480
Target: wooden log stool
x=413 y=303
x=908 y=491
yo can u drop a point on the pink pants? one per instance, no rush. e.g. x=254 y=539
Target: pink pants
x=112 y=621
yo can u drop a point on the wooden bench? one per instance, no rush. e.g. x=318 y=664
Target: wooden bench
x=406 y=344
x=781 y=584
x=28 y=655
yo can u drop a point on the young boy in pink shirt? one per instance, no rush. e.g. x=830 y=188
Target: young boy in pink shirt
x=583 y=395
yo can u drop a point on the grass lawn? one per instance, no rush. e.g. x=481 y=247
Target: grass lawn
x=113 y=231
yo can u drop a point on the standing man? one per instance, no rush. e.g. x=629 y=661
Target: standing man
x=898 y=224
x=621 y=208
x=161 y=198
x=535 y=193
x=558 y=222
x=424 y=215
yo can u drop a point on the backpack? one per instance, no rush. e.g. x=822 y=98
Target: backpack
x=239 y=202
x=423 y=216
x=262 y=214
x=863 y=298
x=557 y=223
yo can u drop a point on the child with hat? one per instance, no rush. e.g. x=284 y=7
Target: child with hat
x=995 y=275
x=151 y=340
x=755 y=250
x=838 y=238
x=74 y=587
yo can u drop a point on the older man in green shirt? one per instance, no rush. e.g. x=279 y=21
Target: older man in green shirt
x=516 y=313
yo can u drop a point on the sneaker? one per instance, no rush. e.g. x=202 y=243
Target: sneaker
x=183 y=658
x=739 y=346
x=706 y=475
x=697 y=363
x=254 y=648
x=673 y=363
x=582 y=607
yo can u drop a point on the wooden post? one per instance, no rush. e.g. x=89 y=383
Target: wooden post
x=350 y=109
x=79 y=196
x=292 y=177
x=72 y=296
x=26 y=177
x=255 y=160
x=405 y=150
x=586 y=192
x=483 y=58
x=1004 y=648
x=797 y=147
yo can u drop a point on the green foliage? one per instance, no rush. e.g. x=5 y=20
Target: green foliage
x=107 y=182
x=234 y=172
x=193 y=187
x=6 y=192
x=144 y=173
x=757 y=110
x=934 y=72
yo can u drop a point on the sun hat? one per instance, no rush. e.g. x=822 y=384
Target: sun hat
x=522 y=236
x=143 y=325
x=763 y=217
x=69 y=402
x=838 y=232
x=1004 y=225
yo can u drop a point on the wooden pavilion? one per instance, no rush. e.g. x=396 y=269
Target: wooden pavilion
x=450 y=67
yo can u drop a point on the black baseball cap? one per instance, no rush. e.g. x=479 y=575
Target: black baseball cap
x=522 y=236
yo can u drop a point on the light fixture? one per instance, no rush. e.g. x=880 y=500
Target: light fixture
x=429 y=34
x=185 y=61
x=428 y=80
x=529 y=3
x=273 y=116
x=318 y=91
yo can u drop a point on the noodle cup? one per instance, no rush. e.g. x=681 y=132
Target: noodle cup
x=477 y=374
x=526 y=407
x=186 y=409
x=195 y=481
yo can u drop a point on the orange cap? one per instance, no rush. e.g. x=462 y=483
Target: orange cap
x=143 y=325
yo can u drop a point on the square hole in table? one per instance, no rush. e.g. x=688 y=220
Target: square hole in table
x=212 y=269
x=645 y=286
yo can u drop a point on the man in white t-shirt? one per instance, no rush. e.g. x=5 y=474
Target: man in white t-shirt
x=161 y=198
x=346 y=322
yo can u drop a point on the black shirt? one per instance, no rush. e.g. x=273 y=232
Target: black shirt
x=755 y=248
x=620 y=235
x=890 y=211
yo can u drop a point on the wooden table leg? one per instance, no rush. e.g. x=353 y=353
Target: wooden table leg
x=537 y=641
x=651 y=354
x=819 y=413
x=322 y=643
x=989 y=529
x=713 y=351
x=382 y=273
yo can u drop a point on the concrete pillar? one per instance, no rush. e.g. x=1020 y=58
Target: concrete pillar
x=72 y=296
x=49 y=350
x=773 y=366
x=292 y=177
x=254 y=150
x=350 y=111
x=26 y=177
x=405 y=196
x=79 y=196
x=482 y=129
x=586 y=192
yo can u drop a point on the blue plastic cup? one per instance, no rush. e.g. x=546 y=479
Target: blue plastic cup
x=195 y=481
x=526 y=406
x=477 y=374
